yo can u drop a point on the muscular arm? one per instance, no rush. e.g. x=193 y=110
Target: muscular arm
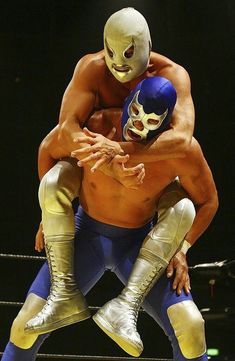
x=172 y=143
x=198 y=181
x=77 y=104
x=50 y=151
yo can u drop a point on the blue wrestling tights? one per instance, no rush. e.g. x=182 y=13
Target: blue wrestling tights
x=115 y=248
x=13 y=352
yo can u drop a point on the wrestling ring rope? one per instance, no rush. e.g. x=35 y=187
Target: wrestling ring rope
x=93 y=358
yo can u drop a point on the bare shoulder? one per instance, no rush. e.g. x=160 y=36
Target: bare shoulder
x=167 y=68
x=194 y=154
x=90 y=63
x=193 y=165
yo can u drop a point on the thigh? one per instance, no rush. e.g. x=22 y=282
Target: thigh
x=125 y=266
x=89 y=261
x=125 y=260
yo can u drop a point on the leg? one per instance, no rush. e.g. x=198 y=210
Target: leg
x=22 y=347
x=175 y=217
x=180 y=319
x=65 y=304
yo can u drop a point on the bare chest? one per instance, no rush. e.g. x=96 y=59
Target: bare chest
x=111 y=94
x=157 y=177
x=106 y=200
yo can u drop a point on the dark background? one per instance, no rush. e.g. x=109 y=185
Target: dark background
x=41 y=42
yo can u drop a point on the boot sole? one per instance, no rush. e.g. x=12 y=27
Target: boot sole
x=128 y=346
x=78 y=317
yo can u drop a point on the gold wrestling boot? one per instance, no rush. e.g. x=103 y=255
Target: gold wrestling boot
x=65 y=304
x=118 y=317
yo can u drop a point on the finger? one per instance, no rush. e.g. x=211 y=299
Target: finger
x=99 y=163
x=121 y=159
x=141 y=175
x=77 y=152
x=133 y=170
x=181 y=285
x=178 y=275
x=38 y=246
x=90 y=149
x=187 y=286
x=38 y=249
x=89 y=133
x=111 y=133
x=170 y=269
x=88 y=159
x=84 y=139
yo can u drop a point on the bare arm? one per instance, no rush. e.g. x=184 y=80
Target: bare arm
x=172 y=143
x=50 y=151
x=197 y=180
x=199 y=184
x=77 y=104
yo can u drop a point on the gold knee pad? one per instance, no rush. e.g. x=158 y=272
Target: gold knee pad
x=31 y=307
x=176 y=213
x=58 y=188
x=188 y=326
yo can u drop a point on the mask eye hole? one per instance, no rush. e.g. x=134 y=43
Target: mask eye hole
x=109 y=50
x=134 y=109
x=129 y=52
x=153 y=121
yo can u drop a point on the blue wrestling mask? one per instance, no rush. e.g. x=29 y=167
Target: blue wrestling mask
x=148 y=109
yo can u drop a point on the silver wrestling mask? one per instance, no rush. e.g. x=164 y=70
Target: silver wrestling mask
x=127 y=44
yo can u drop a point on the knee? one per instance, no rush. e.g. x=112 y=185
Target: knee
x=33 y=304
x=18 y=336
x=185 y=212
x=188 y=326
x=176 y=204
x=58 y=188
x=173 y=224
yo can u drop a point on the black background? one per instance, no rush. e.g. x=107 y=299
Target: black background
x=41 y=42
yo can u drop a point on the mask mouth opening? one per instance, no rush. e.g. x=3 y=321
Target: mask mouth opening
x=121 y=68
x=134 y=136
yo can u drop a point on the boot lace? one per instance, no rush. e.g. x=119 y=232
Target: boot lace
x=142 y=290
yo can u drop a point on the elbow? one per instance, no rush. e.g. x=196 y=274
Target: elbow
x=182 y=143
x=214 y=205
x=62 y=133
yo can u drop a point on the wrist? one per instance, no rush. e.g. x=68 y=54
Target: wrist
x=185 y=246
x=119 y=150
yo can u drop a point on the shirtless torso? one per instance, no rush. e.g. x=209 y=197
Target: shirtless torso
x=104 y=198
x=108 y=201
